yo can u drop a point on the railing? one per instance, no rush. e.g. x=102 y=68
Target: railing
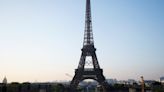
x=88 y=69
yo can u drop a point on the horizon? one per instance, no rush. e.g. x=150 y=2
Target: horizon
x=41 y=40
x=86 y=80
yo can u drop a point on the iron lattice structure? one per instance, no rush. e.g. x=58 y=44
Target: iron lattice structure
x=88 y=50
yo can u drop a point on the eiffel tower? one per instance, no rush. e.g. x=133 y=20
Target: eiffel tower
x=88 y=51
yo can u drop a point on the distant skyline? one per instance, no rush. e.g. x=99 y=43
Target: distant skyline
x=41 y=40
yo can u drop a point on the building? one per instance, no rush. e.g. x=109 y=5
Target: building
x=148 y=83
x=4 y=80
x=131 y=81
x=162 y=79
x=112 y=81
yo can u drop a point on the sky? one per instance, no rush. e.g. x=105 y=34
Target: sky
x=41 y=40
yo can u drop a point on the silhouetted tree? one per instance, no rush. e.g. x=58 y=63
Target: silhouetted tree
x=4 y=88
x=59 y=88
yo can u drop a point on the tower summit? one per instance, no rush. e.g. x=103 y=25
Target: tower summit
x=88 y=34
x=88 y=52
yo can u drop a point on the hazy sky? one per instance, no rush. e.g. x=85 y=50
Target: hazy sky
x=40 y=40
